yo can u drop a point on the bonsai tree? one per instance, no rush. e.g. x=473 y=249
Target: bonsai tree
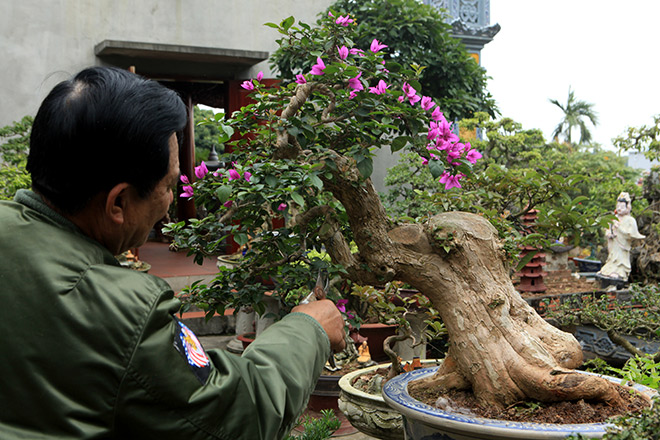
x=572 y=187
x=305 y=154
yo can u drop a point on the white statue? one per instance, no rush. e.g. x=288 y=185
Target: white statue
x=620 y=235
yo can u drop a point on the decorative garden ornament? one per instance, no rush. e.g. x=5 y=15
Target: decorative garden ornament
x=620 y=235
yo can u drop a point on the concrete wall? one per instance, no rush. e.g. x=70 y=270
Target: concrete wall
x=46 y=41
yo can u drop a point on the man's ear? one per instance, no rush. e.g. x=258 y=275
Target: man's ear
x=116 y=202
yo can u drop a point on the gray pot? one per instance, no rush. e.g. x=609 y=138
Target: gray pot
x=368 y=412
x=425 y=422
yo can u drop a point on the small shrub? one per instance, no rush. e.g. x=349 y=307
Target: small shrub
x=318 y=429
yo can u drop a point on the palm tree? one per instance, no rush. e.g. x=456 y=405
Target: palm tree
x=574 y=113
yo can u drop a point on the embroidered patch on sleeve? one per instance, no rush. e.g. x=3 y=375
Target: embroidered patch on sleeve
x=187 y=344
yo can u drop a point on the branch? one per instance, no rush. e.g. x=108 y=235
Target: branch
x=395 y=369
x=624 y=343
x=317 y=211
x=229 y=214
x=286 y=146
x=287 y=259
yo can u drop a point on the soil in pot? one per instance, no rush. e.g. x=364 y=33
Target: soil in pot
x=534 y=412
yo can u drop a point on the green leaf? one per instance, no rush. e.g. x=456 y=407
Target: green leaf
x=314 y=179
x=288 y=22
x=526 y=259
x=223 y=193
x=330 y=70
x=271 y=181
x=241 y=238
x=298 y=198
x=366 y=167
x=436 y=168
x=399 y=143
x=273 y=25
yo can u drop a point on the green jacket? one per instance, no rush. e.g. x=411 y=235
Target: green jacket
x=92 y=350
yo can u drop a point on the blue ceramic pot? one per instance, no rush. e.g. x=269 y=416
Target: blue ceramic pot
x=424 y=422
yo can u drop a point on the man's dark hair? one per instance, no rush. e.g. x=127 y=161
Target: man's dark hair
x=102 y=127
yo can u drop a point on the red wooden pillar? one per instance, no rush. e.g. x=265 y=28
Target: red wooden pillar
x=186 y=208
x=236 y=98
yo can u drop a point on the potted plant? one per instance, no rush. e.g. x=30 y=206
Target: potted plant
x=306 y=154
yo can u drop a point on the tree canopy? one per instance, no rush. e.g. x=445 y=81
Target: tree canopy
x=415 y=34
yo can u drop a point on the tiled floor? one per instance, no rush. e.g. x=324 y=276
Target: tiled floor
x=166 y=264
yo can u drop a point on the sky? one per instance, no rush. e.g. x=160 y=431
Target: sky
x=605 y=50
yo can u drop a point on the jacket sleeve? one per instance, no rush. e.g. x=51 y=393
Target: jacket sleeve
x=169 y=392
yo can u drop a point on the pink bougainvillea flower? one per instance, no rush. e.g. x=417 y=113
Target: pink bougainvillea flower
x=343 y=52
x=187 y=191
x=300 y=79
x=437 y=115
x=233 y=174
x=216 y=174
x=411 y=93
x=401 y=98
x=341 y=306
x=450 y=181
x=247 y=85
x=184 y=178
x=282 y=207
x=352 y=94
x=380 y=88
x=355 y=83
x=427 y=103
x=454 y=152
x=247 y=175
x=472 y=155
x=376 y=46
x=425 y=161
x=317 y=69
x=201 y=171
x=434 y=131
x=446 y=137
x=228 y=203
x=359 y=52
x=344 y=21
x=330 y=14
x=260 y=76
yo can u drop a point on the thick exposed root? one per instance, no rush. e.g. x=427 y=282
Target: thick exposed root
x=562 y=384
x=530 y=384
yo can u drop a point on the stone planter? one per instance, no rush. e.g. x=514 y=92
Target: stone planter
x=425 y=422
x=368 y=412
x=585 y=265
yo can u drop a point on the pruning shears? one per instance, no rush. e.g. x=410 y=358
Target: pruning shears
x=318 y=293
x=319 y=290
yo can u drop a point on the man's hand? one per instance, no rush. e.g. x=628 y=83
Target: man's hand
x=326 y=313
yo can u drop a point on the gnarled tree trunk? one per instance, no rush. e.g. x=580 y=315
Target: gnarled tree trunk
x=499 y=346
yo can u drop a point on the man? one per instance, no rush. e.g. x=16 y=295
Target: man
x=93 y=350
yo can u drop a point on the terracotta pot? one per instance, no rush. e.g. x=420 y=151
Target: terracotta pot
x=246 y=339
x=425 y=422
x=325 y=394
x=376 y=335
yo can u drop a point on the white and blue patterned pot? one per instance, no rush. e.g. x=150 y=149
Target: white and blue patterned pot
x=424 y=422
